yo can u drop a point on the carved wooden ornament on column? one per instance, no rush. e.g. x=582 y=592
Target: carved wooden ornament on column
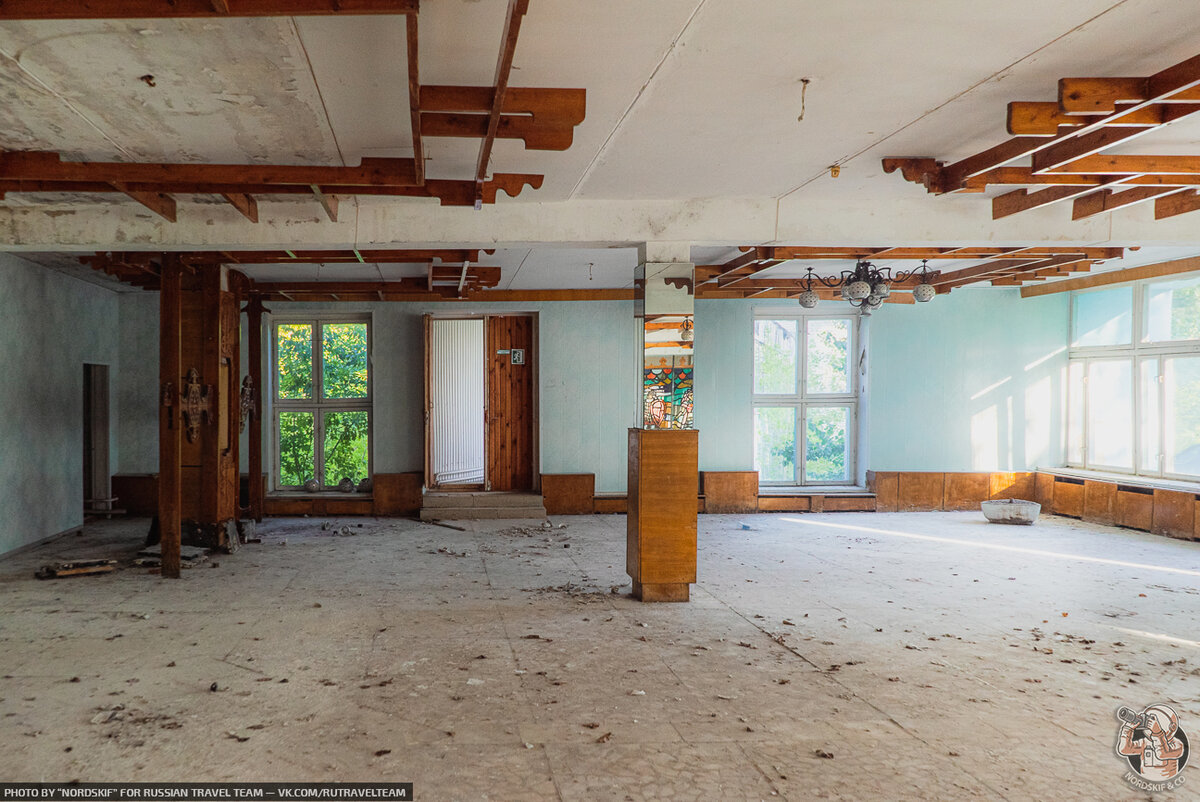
x=247 y=408
x=195 y=404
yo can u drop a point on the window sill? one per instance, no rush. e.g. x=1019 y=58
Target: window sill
x=300 y=494
x=1150 y=482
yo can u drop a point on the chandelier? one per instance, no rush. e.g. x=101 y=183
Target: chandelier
x=866 y=285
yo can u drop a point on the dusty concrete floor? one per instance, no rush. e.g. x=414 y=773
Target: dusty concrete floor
x=930 y=654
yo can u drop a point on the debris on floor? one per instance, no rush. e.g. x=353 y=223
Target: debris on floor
x=76 y=568
x=189 y=556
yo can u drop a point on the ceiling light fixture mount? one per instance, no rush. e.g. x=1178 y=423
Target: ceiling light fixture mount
x=866 y=286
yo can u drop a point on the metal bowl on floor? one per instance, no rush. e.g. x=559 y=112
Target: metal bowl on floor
x=1011 y=511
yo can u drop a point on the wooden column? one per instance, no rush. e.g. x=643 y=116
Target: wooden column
x=254 y=313
x=664 y=452
x=660 y=549
x=169 y=422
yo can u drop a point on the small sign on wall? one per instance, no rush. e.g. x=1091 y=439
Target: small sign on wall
x=518 y=356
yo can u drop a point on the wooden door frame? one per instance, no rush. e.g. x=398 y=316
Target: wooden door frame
x=535 y=363
x=534 y=360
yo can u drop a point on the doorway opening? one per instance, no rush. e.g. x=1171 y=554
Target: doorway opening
x=96 y=478
x=480 y=403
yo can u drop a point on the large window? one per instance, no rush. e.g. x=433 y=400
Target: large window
x=322 y=401
x=804 y=399
x=1133 y=386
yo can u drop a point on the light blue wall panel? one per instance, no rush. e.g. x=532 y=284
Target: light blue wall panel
x=50 y=325
x=971 y=381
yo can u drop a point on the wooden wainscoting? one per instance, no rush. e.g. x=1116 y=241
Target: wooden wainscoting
x=569 y=493
x=397 y=493
x=1163 y=511
x=732 y=492
x=928 y=491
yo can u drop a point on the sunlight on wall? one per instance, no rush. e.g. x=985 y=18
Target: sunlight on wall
x=1039 y=397
x=985 y=439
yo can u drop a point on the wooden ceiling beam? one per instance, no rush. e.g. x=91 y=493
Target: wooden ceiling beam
x=535 y=134
x=1179 y=203
x=161 y=204
x=1032 y=118
x=167 y=9
x=544 y=105
x=1105 y=95
x=1024 y=176
x=1040 y=274
x=49 y=166
x=246 y=204
x=1021 y=200
x=414 y=97
x=328 y=202
x=448 y=192
x=746 y=272
x=1156 y=270
x=1114 y=164
x=1106 y=200
x=508 y=46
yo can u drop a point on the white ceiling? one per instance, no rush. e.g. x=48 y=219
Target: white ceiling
x=687 y=100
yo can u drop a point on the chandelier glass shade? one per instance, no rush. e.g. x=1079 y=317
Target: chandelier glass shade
x=866 y=286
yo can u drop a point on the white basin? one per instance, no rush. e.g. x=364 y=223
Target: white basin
x=1010 y=511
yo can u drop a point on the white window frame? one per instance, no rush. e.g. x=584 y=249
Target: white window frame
x=317 y=404
x=1135 y=352
x=801 y=400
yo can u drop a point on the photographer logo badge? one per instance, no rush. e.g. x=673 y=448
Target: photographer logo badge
x=1153 y=746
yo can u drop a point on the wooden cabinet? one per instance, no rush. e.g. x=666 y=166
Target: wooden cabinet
x=661 y=520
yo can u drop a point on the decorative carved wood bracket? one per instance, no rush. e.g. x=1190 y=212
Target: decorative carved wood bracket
x=247 y=408
x=195 y=404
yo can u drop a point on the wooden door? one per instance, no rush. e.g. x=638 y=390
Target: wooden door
x=511 y=415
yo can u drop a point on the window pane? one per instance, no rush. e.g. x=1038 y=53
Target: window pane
x=1173 y=310
x=293 y=349
x=344 y=360
x=1110 y=414
x=1181 y=418
x=1075 y=391
x=1148 y=412
x=825 y=444
x=775 y=443
x=296 y=452
x=828 y=356
x=775 y=352
x=345 y=446
x=1104 y=317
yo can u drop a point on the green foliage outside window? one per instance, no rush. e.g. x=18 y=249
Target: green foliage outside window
x=344 y=375
x=293 y=346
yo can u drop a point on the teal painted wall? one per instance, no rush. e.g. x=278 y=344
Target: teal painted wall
x=587 y=385
x=50 y=325
x=137 y=396
x=971 y=381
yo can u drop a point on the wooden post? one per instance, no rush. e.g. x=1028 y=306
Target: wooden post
x=170 y=424
x=254 y=313
x=209 y=329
